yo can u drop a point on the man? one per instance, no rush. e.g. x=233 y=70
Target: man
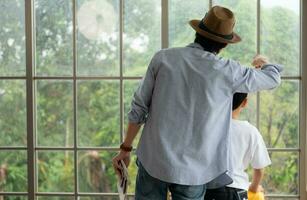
x=185 y=102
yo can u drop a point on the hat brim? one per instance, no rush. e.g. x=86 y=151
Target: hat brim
x=194 y=24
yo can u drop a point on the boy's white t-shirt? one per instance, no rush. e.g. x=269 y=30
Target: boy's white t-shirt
x=246 y=147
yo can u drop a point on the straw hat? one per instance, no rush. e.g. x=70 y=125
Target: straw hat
x=217 y=25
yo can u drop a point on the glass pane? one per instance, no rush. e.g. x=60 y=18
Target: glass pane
x=54 y=37
x=10 y=197
x=55 y=171
x=246 y=26
x=100 y=198
x=129 y=89
x=250 y=112
x=180 y=13
x=13 y=171
x=282 y=176
x=55 y=198
x=98 y=37
x=279 y=115
x=98 y=113
x=142 y=34
x=13 y=113
x=12 y=38
x=280 y=33
x=95 y=172
x=54 y=113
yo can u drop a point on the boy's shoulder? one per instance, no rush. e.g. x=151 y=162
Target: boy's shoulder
x=246 y=127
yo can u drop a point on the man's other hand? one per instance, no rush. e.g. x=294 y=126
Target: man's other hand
x=122 y=155
x=259 y=61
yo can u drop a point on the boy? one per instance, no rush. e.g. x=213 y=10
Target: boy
x=246 y=147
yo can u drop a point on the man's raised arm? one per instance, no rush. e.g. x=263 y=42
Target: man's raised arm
x=266 y=76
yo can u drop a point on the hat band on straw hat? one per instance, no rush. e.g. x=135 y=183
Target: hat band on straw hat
x=202 y=26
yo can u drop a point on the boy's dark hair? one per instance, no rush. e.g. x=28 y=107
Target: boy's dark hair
x=208 y=44
x=237 y=100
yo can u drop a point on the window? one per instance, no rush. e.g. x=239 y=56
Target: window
x=76 y=64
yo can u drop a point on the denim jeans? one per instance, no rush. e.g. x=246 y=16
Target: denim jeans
x=150 y=188
x=228 y=193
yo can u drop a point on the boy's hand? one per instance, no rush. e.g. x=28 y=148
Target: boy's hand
x=259 y=61
x=255 y=188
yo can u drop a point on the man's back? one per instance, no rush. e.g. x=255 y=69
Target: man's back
x=187 y=94
x=191 y=99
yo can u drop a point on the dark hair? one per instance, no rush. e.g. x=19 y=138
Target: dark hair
x=237 y=100
x=208 y=44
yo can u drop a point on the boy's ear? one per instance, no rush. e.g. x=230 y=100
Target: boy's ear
x=244 y=103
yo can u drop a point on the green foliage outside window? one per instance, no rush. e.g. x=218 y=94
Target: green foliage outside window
x=98 y=109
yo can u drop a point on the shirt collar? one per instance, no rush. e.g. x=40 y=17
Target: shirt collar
x=198 y=46
x=195 y=45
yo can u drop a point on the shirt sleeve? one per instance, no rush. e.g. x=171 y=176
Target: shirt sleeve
x=260 y=156
x=142 y=96
x=248 y=79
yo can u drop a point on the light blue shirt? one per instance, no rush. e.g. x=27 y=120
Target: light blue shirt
x=185 y=101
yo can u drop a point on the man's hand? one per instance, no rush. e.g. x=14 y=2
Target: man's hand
x=132 y=130
x=255 y=188
x=122 y=155
x=259 y=61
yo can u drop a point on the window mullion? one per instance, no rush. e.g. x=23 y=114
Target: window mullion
x=76 y=184
x=258 y=52
x=303 y=105
x=164 y=24
x=210 y=3
x=29 y=30
x=121 y=84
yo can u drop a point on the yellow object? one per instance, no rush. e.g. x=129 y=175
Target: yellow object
x=255 y=196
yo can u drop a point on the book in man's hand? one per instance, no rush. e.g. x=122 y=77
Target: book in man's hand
x=122 y=182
